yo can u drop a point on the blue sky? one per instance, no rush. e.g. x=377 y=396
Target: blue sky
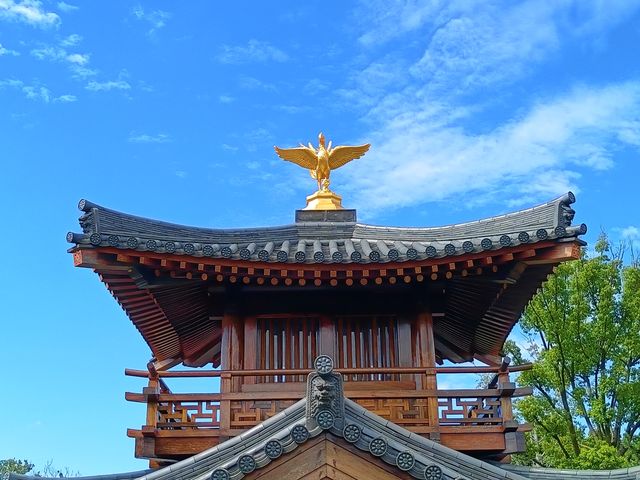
x=171 y=111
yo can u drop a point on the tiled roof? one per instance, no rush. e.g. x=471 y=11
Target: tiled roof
x=314 y=239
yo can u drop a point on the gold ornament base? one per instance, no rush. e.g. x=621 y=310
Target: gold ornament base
x=324 y=200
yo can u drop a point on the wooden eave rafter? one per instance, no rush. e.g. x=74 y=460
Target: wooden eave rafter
x=166 y=268
x=165 y=296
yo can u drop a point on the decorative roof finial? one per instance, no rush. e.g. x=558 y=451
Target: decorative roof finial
x=320 y=162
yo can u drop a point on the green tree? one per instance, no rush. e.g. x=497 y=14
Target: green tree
x=584 y=326
x=11 y=465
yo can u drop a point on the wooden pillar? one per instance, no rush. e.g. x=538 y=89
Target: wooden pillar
x=404 y=354
x=231 y=358
x=327 y=337
x=427 y=358
x=250 y=345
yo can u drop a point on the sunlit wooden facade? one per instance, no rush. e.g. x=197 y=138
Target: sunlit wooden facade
x=395 y=308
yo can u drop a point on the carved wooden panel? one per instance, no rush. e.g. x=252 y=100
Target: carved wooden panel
x=248 y=413
x=472 y=410
x=402 y=411
x=194 y=414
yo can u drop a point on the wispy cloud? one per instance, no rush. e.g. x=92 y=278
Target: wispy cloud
x=156 y=18
x=229 y=148
x=469 y=45
x=424 y=102
x=630 y=233
x=71 y=40
x=226 y=99
x=36 y=92
x=66 y=7
x=253 y=51
x=292 y=109
x=7 y=51
x=66 y=98
x=251 y=83
x=80 y=72
x=539 y=154
x=59 y=54
x=95 y=86
x=630 y=237
x=28 y=11
x=146 y=138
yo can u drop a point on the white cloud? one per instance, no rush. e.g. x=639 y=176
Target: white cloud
x=28 y=11
x=156 y=18
x=423 y=155
x=471 y=44
x=252 y=83
x=181 y=174
x=11 y=82
x=71 y=41
x=315 y=86
x=66 y=7
x=630 y=233
x=253 y=51
x=107 y=86
x=226 y=99
x=229 y=148
x=80 y=72
x=292 y=109
x=146 y=138
x=78 y=58
x=66 y=98
x=452 y=61
x=7 y=51
x=36 y=92
x=58 y=54
x=49 y=53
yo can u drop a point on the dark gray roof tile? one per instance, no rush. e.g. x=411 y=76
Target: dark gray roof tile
x=327 y=241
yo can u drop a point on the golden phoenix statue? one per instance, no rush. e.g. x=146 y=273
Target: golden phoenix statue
x=322 y=160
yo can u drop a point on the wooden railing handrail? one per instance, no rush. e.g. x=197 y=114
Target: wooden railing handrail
x=286 y=395
x=304 y=371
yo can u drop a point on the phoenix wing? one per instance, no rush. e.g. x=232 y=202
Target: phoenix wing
x=303 y=156
x=339 y=156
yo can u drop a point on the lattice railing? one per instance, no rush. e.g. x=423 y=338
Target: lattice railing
x=188 y=414
x=420 y=410
x=469 y=411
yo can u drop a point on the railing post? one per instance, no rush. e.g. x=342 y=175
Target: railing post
x=506 y=389
x=152 y=390
x=225 y=406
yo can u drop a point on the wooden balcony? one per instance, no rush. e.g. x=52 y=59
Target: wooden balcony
x=475 y=421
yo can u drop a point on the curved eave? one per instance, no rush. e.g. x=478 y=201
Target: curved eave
x=327 y=242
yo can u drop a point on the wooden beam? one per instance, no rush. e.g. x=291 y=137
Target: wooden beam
x=556 y=254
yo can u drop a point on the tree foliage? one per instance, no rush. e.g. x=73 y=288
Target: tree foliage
x=11 y=465
x=584 y=327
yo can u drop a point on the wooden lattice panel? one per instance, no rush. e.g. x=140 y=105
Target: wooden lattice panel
x=200 y=414
x=249 y=413
x=403 y=411
x=478 y=410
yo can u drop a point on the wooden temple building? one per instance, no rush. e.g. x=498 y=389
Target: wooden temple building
x=319 y=344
